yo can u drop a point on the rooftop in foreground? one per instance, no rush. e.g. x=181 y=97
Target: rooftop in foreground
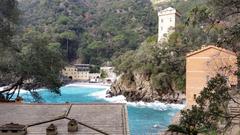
x=94 y=119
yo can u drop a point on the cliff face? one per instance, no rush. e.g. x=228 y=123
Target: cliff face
x=139 y=88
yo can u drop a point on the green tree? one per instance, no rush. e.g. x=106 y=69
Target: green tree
x=211 y=109
x=28 y=63
x=103 y=74
x=67 y=38
x=8 y=19
x=164 y=63
x=216 y=13
x=94 y=69
x=212 y=104
x=63 y=20
x=36 y=65
x=116 y=26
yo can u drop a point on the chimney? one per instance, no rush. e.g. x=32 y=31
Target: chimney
x=13 y=129
x=72 y=126
x=51 y=130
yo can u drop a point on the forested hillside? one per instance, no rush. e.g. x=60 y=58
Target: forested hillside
x=90 y=31
x=161 y=66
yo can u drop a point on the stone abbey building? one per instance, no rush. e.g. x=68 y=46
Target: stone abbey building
x=80 y=72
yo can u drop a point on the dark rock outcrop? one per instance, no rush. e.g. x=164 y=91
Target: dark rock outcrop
x=139 y=88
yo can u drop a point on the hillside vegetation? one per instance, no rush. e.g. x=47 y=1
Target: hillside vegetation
x=163 y=64
x=90 y=31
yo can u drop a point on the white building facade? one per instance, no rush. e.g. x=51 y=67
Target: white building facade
x=94 y=77
x=167 y=20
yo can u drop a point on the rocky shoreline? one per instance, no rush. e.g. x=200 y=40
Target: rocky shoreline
x=140 y=89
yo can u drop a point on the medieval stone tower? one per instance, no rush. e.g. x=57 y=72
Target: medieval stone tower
x=167 y=20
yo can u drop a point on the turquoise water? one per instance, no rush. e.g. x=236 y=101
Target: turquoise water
x=143 y=119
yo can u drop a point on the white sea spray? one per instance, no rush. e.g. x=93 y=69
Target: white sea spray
x=121 y=99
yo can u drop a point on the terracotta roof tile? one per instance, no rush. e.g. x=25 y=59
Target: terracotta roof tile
x=92 y=118
x=206 y=47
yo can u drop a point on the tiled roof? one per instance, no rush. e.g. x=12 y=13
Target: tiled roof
x=209 y=47
x=94 y=119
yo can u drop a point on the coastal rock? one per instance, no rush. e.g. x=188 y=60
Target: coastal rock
x=138 y=87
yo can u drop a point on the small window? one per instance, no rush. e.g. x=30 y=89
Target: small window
x=195 y=96
x=170 y=19
x=161 y=28
x=161 y=20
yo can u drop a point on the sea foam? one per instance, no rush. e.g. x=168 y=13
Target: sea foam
x=121 y=99
x=89 y=85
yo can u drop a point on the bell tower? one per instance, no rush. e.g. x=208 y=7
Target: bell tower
x=167 y=20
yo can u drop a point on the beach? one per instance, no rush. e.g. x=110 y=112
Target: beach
x=92 y=85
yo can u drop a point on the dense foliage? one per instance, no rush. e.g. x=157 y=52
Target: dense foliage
x=211 y=110
x=94 y=31
x=91 y=31
x=51 y=31
x=8 y=20
x=211 y=114
x=164 y=62
x=28 y=60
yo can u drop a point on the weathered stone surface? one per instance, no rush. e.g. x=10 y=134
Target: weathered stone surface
x=140 y=89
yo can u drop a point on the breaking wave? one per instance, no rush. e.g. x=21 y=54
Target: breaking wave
x=121 y=99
